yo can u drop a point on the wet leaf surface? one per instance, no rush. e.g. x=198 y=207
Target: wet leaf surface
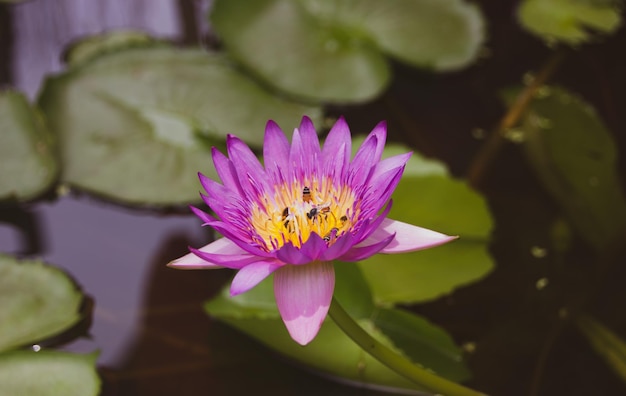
x=28 y=164
x=38 y=301
x=48 y=373
x=336 y=51
x=570 y=22
x=136 y=125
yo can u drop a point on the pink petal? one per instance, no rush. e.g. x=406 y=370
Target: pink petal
x=303 y=295
x=408 y=237
x=337 y=145
x=275 y=149
x=191 y=261
x=251 y=275
x=222 y=247
x=226 y=171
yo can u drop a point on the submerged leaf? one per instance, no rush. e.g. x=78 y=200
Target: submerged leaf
x=28 y=165
x=48 y=373
x=427 y=196
x=606 y=343
x=37 y=301
x=136 y=125
x=569 y=21
x=575 y=157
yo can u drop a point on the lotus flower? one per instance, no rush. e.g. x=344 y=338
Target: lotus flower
x=306 y=207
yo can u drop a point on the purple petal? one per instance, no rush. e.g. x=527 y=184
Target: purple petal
x=275 y=149
x=339 y=248
x=337 y=145
x=397 y=161
x=310 y=141
x=251 y=174
x=226 y=171
x=313 y=247
x=408 y=237
x=251 y=275
x=363 y=163
x=380 y=133
x=363 y=251
x=288 y=253
x=303 y=295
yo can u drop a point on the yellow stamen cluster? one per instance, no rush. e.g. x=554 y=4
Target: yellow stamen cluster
x=301 y=208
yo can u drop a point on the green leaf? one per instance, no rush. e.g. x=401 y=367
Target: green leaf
x=27 y=162
x=428 y=197
x=37 y=301
x=95 y=45
x=422 y=341
x=606 y=343
x=48 y=373
x=332 y=352
x=569 y=21
x=135 y=125
x=575 y=157
x=279 y=41
x=330 y=51
x=434 y=34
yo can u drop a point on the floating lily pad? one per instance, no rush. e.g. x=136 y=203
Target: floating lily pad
x=567 y=21
x=428 y=197
x=434 y=34
x=331 y=51
x=27 y=160
x=136 y=125
x=93 y=46
x=332 y=352
x=575 y=157
x=48 y=373
x=38 y=301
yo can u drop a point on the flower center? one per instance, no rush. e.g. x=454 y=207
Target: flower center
x=298 y=209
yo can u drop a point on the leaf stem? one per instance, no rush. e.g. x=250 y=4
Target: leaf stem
x=496 y=140
x=394 y=361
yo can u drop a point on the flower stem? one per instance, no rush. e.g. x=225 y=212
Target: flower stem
x=394 y=361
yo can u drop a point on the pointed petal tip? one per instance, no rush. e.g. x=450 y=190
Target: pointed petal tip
x=191 y=262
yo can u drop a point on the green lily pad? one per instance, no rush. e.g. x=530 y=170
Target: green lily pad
x=440 y=35
x=332 y=51
x=294 y=52
x=567 y=21
x=37 y=301
x=428 y=197
x=93 y=46
x=48 y=373
x=135 y=125
x=575 y=157
x=334 y=353
x=28 y=165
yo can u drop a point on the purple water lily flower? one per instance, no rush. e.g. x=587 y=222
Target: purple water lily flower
x=307 y=207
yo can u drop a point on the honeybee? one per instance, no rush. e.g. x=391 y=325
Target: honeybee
x=285 y=215
x=306 y=194
x=314 y=212
x=332 y=234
